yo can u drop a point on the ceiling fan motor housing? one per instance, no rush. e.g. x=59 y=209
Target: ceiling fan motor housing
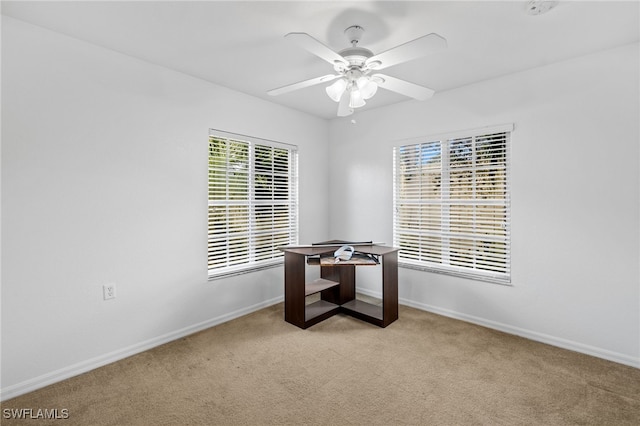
x=356 y=56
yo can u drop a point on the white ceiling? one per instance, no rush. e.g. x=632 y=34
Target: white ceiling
x=240 y=44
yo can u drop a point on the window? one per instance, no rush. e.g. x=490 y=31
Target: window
x=253 y=206
x=451 y=204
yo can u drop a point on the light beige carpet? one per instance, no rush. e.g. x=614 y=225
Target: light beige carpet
x=423 y=369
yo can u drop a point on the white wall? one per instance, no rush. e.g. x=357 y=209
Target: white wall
x=575 y=200
x=104 y=174
x=104 y=181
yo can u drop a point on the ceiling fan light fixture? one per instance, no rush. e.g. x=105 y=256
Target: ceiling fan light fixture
x=367 y=87
x=336 y=89
x=355 y=99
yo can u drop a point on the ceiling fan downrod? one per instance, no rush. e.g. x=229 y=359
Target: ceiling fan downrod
x=354 y=55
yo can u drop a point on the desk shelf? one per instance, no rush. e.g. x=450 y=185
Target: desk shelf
x=365 y=311
x=319 y=285
x=318 y=311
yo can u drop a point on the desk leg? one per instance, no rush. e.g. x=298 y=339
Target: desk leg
x=389 y=288
x=294 y=284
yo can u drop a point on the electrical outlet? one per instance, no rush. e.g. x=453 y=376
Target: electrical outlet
x=109 y=291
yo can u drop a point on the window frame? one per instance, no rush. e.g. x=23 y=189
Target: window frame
x=253 y=197
x=443 y=264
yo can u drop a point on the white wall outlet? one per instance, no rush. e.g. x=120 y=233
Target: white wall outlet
x=109 y=291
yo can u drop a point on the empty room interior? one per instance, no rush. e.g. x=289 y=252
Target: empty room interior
x=161 y=159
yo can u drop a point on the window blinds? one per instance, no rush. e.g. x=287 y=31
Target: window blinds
x=252 y=202
x=451 y=211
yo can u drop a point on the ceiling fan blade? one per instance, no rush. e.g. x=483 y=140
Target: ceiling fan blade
x=343 y=106
x=408 y=51
x=309 y=43
x=302 y=84
x=403 y=87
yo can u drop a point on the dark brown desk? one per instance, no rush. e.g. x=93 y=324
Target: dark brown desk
x=336 y=286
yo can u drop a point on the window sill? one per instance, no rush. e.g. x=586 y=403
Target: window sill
x=460 y=274
x=231 y=272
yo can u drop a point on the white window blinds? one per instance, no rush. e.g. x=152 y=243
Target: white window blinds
x=451 y=204
x=253 y=206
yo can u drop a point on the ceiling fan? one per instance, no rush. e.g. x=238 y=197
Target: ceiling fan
x=356 y=69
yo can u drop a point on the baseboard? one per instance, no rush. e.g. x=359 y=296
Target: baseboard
x=528 y=334
x=93 y=363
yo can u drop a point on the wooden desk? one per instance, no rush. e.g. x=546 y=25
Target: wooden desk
x=337 y=287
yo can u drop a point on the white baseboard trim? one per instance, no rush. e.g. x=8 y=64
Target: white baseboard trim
x=93 y=363
x=99 y=361
x=517 y=331
x=528 y=334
